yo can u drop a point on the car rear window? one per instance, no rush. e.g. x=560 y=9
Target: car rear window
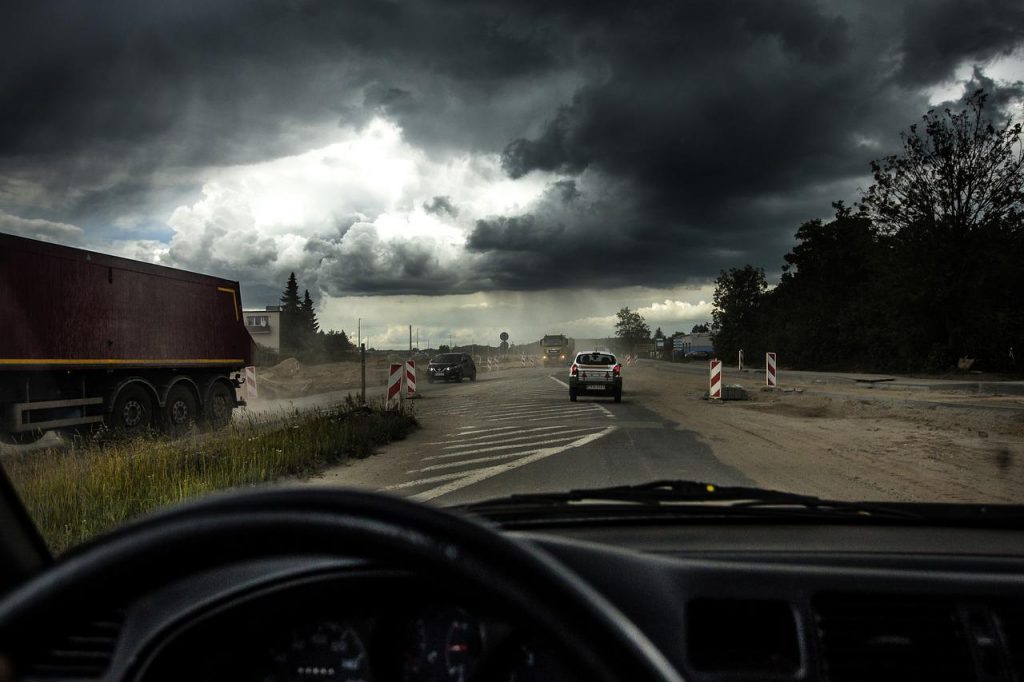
x=595 y=359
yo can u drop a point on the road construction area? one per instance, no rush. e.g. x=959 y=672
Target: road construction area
x=851 y=437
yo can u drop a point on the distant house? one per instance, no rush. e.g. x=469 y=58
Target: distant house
x=265 y=326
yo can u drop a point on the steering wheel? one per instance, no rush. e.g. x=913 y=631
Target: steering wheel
x=221 y=529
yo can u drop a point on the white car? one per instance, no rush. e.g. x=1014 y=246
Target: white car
x=595 y=372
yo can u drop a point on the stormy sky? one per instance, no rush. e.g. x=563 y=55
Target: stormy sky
x=471 y=167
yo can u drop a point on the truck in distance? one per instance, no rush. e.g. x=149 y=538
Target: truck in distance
x=90 y=338
x=555 y=348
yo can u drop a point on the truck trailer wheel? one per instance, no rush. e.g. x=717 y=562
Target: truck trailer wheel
x=219 y=403
x=179 y=411
x=133 y=411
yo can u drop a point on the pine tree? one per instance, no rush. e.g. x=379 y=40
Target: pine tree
x=291 y=316
x=309 y=322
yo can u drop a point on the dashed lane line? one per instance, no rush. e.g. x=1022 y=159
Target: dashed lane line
x=478 y=475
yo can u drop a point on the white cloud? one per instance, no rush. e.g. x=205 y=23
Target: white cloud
x=345 y=216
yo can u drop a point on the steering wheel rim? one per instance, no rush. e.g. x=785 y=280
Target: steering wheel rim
x=226 y=528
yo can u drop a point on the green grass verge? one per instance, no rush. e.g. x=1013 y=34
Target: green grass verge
x=76 y=492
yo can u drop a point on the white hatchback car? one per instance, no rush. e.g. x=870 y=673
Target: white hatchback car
x=595 y=372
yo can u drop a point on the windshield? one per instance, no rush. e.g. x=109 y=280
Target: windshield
x=447 y=358
x=238 y=242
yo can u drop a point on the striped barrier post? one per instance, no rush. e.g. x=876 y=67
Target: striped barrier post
x=410 y=378
x=250 y=382
x=715 y=385
x=394 y=391
x=771 y=373
x=741 y=360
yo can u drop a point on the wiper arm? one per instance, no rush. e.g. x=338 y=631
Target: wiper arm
x=672 y=493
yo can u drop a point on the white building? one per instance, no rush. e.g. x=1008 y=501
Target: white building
x=265 y=326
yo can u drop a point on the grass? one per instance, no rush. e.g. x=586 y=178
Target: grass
x=75 y=492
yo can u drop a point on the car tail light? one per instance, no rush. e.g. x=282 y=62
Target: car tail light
x=617 y=369
x=574 y=370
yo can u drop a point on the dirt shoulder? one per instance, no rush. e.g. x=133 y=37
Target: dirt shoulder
x=850 y=441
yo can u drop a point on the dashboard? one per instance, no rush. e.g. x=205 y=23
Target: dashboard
x=721 y=601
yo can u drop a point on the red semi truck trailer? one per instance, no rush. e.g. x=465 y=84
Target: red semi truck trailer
x=87 y=338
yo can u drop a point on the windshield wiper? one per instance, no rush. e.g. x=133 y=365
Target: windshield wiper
x=689 y=496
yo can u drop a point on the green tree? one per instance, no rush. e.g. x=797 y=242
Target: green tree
x=739 y=294
x=291 y=317
x=701 y=328
x=631 y=328
x=444 y=348
x=952 y=206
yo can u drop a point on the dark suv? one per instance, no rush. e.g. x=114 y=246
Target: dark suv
x=451 y=367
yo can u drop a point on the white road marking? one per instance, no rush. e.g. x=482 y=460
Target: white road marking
x=580 y=411
x=422 y=481
x=558 y=381
x=551 y=412
x=509 y=440
x=479 y=451
x=464 y=432
x=606 y=411
x=488 y=472
x=464 y=440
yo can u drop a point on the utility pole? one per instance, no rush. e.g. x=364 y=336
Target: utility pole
x=362 y=372
x=410 y=340
x=359 y=331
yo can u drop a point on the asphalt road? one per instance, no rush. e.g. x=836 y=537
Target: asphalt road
x=515 y=431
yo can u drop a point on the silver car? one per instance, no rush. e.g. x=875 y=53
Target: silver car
x=595 y=372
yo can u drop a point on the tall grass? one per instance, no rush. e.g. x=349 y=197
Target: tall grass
x=76 y=492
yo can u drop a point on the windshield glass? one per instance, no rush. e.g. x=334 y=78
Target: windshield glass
x=595 y=359
x=447 y=358
x=237 y=240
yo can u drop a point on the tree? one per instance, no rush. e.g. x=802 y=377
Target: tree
x=704 y=328
x=735 y=319
x=309 y=324
x=963 y=174
x=291 y=316
x=952 y=205
x=632 y=328
x=658 y=334
x=444 y=348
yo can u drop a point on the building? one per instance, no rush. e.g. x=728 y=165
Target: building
x=690 y=343
x=265 y=326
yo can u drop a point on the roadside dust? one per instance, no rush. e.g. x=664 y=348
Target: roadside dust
x=851 y=442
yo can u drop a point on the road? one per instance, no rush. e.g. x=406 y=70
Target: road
x=515 y=431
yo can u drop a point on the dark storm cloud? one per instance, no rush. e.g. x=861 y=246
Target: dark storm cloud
x=695 y=136
x=440 y=206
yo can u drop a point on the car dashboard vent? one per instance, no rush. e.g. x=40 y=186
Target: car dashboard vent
x=85 y=652
x=880 y=639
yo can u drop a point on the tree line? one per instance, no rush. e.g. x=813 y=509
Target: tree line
x=925 y=270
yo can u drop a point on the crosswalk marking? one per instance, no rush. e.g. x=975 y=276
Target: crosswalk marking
x=482 y=474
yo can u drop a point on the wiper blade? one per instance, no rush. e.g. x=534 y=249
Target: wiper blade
x=674 y=493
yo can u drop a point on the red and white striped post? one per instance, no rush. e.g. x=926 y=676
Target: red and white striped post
x=715 y=388
x=250 y=382
x=771 y=373
x=394 y=392
x=410 y=378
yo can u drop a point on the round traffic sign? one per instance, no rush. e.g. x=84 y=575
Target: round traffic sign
x=503 y=336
